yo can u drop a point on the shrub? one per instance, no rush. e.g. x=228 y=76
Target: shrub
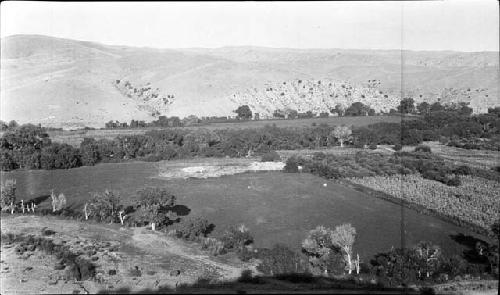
x=236 y=238
x=292 y=165
x=270 y=157
x=213 y=246
x=194 y=228
x=463 y=170
x=280 y=260
x=423 y=149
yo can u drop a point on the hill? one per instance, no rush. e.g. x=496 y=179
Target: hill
x=62 y=82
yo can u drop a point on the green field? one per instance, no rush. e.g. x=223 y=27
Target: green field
x=276 y=206
x=76 y=137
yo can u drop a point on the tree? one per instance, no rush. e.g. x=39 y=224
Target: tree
x=424 y=108
x=437 y=107
x=317 y=247
x=89 y=152
x=198 y=139
x=3 y=125
x=244 y=112
x=103 y=206
x=156 y=207
x=13 y=124
x=343 y=237
x=357 y=109
x=407 y=106
x=339 y=109
x=342 y=134
x=58 y=202
x=8 y=194
x=428 y=257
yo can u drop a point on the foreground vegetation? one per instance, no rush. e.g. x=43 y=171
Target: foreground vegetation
x=325 y=252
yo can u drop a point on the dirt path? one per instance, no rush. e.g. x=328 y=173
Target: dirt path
x=160 y=244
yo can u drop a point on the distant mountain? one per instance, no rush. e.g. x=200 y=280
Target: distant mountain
x=74 y=83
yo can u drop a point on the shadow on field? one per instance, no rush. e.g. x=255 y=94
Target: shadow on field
x=285 y=283
x=471 y=243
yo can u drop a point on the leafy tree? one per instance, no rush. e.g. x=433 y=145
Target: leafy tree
x=58 y=201
x=339 y=109
x=193 y=229
x=89 y=152
x=8 y=193
x=343 y=237
x=357 y=109
x=244 y=112
x=199 y=139
x=424 y=108
x=13 y=124
x=342 y=134
x=317 y=246
x=103 y=206
x=3 y=125
x=407 y=106
x=437 y=107
x=156 y=207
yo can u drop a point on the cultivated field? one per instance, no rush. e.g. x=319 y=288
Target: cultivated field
x=474 y=158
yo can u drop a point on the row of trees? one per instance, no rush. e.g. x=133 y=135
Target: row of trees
x=29 y=147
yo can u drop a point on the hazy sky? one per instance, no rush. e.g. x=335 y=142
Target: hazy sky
x=440 y=25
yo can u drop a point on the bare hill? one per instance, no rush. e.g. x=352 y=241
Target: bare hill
x=74 y=83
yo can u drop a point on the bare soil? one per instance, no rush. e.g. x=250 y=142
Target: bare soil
x=130 y=258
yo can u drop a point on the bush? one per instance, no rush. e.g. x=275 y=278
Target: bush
x=270 y=157
x=463 y=170
x=280 y=260
x=292 y=165
x=423 y=149
x=236 y=238
x=193 y=229
x=213 y=246
x=8 y=194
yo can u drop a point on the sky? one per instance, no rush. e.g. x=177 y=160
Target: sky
x=418 y=25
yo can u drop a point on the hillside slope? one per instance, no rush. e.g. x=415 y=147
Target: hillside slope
x=74 y=83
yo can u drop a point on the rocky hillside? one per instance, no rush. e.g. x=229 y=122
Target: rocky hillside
x=316 y=96
x=73 y=83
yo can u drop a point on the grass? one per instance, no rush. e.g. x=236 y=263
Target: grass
x=276 y=206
